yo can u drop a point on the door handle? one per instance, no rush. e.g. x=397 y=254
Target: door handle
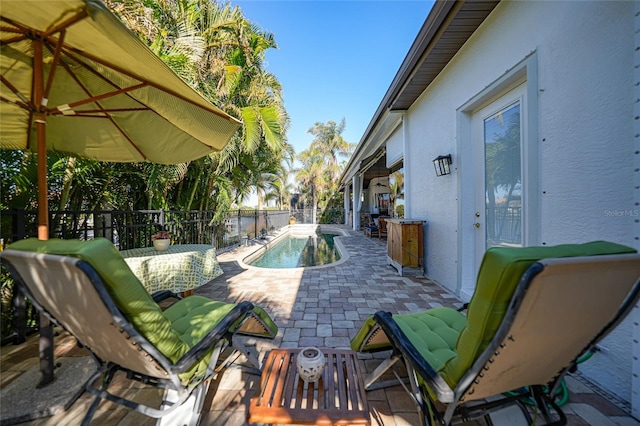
x=477 y=224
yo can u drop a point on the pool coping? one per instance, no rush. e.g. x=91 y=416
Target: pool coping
x=304 y=230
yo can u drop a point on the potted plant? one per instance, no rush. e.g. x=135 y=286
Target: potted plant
x=161 y=240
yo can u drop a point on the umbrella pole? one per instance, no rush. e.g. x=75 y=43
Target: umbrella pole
x=45 y=343
x=43 y=201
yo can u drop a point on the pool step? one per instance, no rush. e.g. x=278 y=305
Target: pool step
x=303 y=229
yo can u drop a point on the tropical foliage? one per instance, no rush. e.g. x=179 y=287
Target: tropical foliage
x=219 y=53
x=320 y=164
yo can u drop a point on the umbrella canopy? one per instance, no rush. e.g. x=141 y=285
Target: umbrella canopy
x=77 y=81
x=103 y=93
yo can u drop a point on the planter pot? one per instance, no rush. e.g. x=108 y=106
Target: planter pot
x=161 y=245
x=310 y=364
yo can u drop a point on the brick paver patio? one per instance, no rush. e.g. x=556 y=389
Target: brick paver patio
x=321 y=307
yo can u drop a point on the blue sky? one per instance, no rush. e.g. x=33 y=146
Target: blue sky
x=335 y=59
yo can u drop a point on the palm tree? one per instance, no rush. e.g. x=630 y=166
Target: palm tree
x=283 y=188
x=329 y=141
x=235 y=50
x=312 y=176
x=321 y=163
x=396 y=188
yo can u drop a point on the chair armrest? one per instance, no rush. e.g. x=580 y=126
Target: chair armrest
x=218 y=332
x=161 y=295
x=402 y=343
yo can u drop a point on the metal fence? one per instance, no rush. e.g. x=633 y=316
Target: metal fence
x=133 y=229
x=127 y=230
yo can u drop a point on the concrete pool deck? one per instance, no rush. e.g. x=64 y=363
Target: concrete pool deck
x=320 y=307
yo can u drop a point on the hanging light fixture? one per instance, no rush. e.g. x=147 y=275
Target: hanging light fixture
x=442 y=164
x=378 y=184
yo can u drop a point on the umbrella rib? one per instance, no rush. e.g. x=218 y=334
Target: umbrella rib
x=18 y=103
x=126 y=136
x=26 y=32
x=97 y=98
x=95 y=113
x=64 y=109
x=90 y=69
x=82 y=13
x=101 y=97
x=71 y=50
x=15 y=39
x=27 y=103
x=17 y=28
x=54 y=65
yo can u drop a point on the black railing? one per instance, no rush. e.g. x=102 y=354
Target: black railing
x=127 y=230
x=133 y=229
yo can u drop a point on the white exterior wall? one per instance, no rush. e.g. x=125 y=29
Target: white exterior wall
x=395 y=148
x=584 y=53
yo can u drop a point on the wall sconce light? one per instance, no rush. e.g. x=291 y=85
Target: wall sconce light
x=442 y=164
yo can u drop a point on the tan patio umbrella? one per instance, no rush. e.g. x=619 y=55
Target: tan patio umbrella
x=76 y=80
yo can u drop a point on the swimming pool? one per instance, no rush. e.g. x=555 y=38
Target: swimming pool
x=295 y=251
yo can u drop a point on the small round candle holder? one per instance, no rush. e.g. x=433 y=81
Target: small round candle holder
x=310 y=363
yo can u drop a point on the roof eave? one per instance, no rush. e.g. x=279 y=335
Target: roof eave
x=407 y=85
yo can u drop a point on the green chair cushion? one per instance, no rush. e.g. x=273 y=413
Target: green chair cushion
x=182 y=313
x=172 y=332
x=499 y=274
x=434 y=333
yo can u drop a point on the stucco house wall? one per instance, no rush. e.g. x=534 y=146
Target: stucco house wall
x=584 y=163
x=395 y=148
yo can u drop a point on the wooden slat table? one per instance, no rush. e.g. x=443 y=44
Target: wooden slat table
x=338 y=398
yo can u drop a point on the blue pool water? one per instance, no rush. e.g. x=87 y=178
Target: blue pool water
x=296 y=252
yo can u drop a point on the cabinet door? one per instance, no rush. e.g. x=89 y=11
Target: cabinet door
x=412 y=245
x=394 y=242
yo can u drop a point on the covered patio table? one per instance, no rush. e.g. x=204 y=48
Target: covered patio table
x=180 y=269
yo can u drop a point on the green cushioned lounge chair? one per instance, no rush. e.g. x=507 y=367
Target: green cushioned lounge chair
x=534 y=312
x=87 y=288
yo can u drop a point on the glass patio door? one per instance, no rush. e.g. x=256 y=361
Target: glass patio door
x=498 y=129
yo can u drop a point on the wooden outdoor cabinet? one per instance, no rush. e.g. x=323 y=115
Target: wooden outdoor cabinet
x=405 y=247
